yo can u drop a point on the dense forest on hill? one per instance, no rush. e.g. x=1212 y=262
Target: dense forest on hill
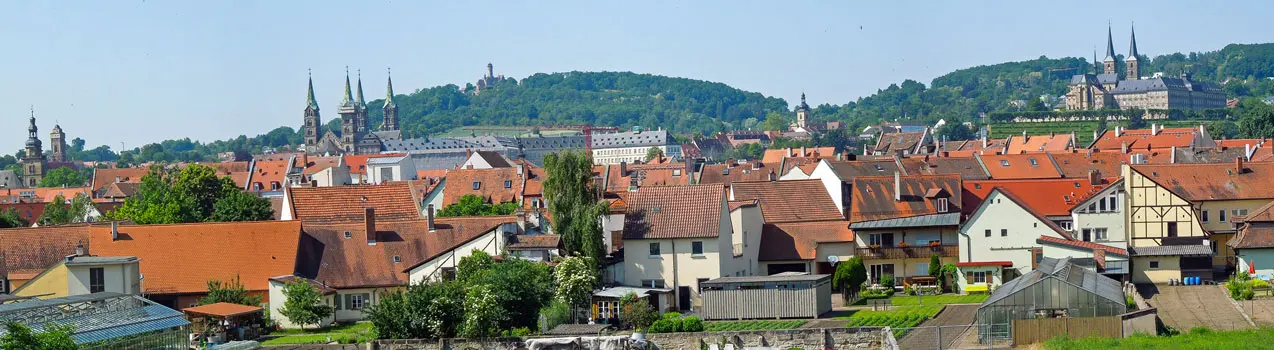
x=689 y=106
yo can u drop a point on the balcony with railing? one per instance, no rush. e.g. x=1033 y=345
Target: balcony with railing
x=904 y=251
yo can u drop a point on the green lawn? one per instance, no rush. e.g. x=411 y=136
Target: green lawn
x=1201 y=338
x=938 y=299
x=755 y=325
x=897 y=317
x=347 y=333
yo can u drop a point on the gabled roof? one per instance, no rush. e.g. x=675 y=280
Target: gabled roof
x=392 y=201
x=1258 y=231
x=495 y=159
x=497 y=185
x=358 y=163
x=718 y=173
x=1040 y=143
x=1142 y=138
x=182 y=258
x=1078 y=164
x=689 y=211
x=873 y=196
x=29 y=251
x=1017 y=200
x=1050 y=197
x=789 y=201
x=1090 y=246
x=103 y=177
x=267 y=173
x=537 y=242
x=893 y=142
x=26 y=210
x=776 y=155
x=327 y=256
x=1020 y=166
x=799 y=240
x=1218 y=181
x=847 y=170
x=967 y=168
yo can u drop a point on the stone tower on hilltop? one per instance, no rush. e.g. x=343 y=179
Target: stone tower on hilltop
x=1131 y=65
x=802 y=114
x=391 y=110
x=57 y=141
x=33 y=160
x=312 y=120
x=1108 y=64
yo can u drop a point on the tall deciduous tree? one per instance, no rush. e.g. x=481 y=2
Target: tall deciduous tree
x=1256 y=119
x=575 y=278
x=239 y=205
x=63 y=177
x=304 y=304
x=10 y=218
x=477 y=263
x=482 y=313
x=194 y=193
x=422 y=311
x=653 y=153
x=575 y=203
x=59 y=212
x=775 y=121
x=475 y=205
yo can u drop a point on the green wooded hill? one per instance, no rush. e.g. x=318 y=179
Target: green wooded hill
x=687 y=106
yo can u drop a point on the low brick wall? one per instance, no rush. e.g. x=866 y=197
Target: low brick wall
x=814 y=338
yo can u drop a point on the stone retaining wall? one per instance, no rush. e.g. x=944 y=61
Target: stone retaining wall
x=814 y=338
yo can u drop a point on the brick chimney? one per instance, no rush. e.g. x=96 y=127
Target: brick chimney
x=114 y=230
x=429 y=215
x=369 y=218
x=1094 y=177
x=1238 y=165
x=623 y=168
x=79 y=249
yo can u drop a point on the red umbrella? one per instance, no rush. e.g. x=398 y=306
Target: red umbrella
x=1251 y=267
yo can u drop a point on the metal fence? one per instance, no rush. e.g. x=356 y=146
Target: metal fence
x=950 y=337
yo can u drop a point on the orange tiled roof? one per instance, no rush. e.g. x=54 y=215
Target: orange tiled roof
x=222 y=309
x=537 y=242
x=41 y=194
x=1078 y=164
x=392 y=201
x=873 y=196
x=776 y=155
x=316 y=164
x=1050 y=197
x=967 y=168
x=789 y=201
x=33 y=249
x=1215 y=181
x=752 y=171
x=182 y=258
x=688 y=211
x=799 y=241
x=1239 y=143
x=1020 y=166
x=1041 y=143
x=1082 y=244
x=1142 y=139
x=358 y=163
x=327 y=256
x=103 y=177
x=268 y=174
x=498 y=185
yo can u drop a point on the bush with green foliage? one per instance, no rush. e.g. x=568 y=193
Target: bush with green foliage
x=304 y=304
x=887 y=281
x=231 y=291
x=475 y=205
x=663 y=325
x=636 y=312
x=53 y=337
x=691 y=324
x=1240 y=286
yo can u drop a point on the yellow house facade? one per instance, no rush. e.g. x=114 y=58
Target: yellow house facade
x=80 y=274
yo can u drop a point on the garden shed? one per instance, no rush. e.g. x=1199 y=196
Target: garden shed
x=1056 y=288
x=784 y=295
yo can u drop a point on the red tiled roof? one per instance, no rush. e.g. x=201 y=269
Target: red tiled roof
x=41 y=194
x=1038 y=216
x=102 y=177
x=497 y=185
x=268 y=174
x=967 y=168
x=316 y=164
x=358 y=163
x=1020 y=166
x=789 y=201
x=1258 y=231
x=892 y=142
x=25 y=250
x=717 y=173
x=734 y=205
x=847 y=170
x=1050 y=197
x=327 y=256
x=1216 y=181
x=392 y=201
x=537 y=242
x=1083 y=245
x=984 y=263
x=26 y=211
x=1078 y=164
x=222 y=309
x=687 y=211
x=1142 y=139
x=1239 y=143
x=182 y=258
x=1038 y=144
x=873 y=196
x=799 y=241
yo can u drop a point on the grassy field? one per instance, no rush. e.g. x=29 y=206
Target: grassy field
x=348 y=333
x=939 y=299
x=1200 y=338
x=757 y=325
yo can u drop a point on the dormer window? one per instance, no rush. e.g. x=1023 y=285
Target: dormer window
x=1004 y=162
x=942 y=205
x=1034 y=162
x=348 y=235
x=508 y=184
x=397 y=259
x=477 y=185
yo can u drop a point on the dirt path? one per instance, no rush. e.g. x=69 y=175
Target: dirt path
x=1186 y=307
x=953 y=320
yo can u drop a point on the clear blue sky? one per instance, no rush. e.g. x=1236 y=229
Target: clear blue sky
x=144 y=71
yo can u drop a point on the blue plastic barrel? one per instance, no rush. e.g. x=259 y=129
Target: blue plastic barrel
x=1194 y=281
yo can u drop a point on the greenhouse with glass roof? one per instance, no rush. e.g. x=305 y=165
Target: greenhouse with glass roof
x=1056 y=288
x=105 y=321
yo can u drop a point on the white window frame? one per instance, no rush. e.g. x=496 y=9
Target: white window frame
x=692 y=248
x=976 y=278
x=1101 y=234
x=942 y=205
x=1238 y=212
x=357 y=302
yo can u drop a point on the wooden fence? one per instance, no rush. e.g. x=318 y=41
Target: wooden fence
x=1040 y=330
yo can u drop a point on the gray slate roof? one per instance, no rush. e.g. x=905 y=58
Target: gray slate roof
x=944 y=219
x=1171 y=250
x=632 y=139
x=1162 y=84
x=9 y=179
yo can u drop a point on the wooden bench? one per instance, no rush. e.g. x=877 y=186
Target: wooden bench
x=976 y=288
x=880 y=304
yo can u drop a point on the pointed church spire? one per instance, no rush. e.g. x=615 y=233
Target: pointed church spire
x=1110 y=45
x=310 y=101
x=349 y=98
x=361 y=101
x=1095 y=63
x=1132 y=45
x=389 y=88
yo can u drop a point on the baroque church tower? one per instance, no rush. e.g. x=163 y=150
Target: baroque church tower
x=33 y=161
x=802 y=114
x=1131 y=63
x=312 y=120
x=391 y=110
